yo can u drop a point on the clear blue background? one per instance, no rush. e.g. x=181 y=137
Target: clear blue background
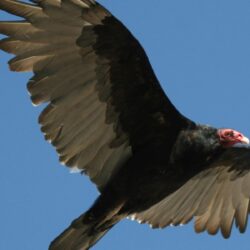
x=200 y=51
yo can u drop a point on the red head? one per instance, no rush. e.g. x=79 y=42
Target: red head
x=229 y=137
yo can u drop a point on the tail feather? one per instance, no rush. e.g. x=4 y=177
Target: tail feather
x=80 y=235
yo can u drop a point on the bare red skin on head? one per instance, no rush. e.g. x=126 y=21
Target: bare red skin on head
x=229 y=137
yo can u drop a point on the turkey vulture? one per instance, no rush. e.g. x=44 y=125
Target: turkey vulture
x=108 y=117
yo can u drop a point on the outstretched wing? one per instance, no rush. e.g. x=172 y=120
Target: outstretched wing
x=215 y=197
x=104 y=99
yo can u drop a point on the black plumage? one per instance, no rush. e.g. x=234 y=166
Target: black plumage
x=108 y=117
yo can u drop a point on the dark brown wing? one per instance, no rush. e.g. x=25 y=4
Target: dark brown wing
x=215 y=197
x=104 y=99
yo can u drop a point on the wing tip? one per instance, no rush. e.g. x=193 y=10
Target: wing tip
x=21 y=9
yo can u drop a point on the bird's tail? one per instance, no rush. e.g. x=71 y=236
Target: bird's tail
x=91 y=226
x=83 y=233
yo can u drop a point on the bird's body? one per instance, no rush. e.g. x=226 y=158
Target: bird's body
x=107 y=116
x=155 y=173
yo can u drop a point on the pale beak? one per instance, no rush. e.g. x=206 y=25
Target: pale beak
x=245 y=140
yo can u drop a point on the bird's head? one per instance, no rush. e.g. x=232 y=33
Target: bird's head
x=229 y=137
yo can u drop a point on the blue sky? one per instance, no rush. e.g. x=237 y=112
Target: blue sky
x=200 y=52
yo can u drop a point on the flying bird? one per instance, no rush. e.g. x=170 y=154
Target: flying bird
x=108 y=117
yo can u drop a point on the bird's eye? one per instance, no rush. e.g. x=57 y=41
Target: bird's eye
x=229 y=133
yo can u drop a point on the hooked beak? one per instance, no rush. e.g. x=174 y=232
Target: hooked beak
x=244 y=140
